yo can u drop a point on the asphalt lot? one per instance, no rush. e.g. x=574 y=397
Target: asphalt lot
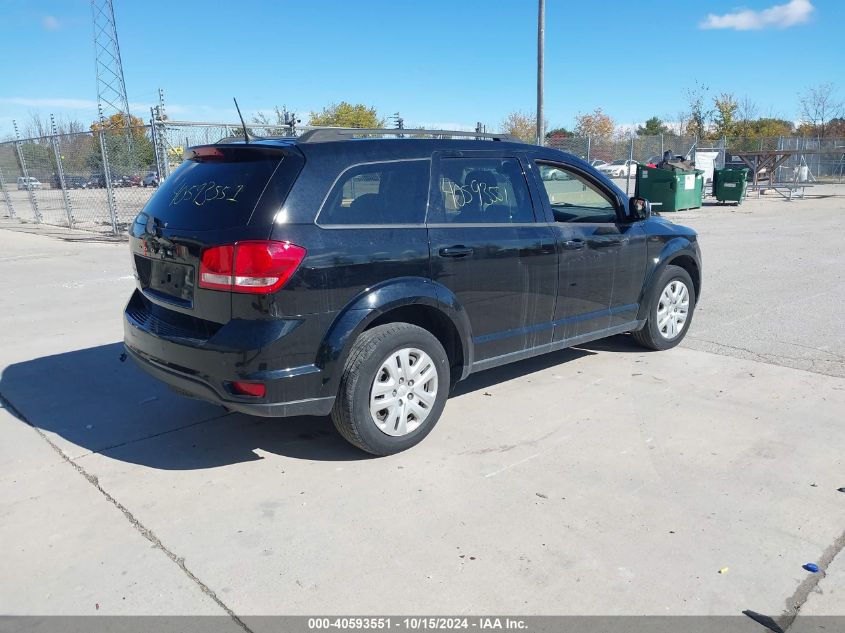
x=597 y=480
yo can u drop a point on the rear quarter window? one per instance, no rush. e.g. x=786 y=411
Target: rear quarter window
x=394 y=192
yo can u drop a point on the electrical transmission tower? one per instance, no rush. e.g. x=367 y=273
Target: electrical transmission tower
x=111 y=87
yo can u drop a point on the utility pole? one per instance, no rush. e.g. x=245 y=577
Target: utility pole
x=541 y=36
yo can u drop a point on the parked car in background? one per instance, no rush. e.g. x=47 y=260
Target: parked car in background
x=150 y=180
x=71 y=182
x=28 y=183
x=547 y=173
x=597 y=162
x=363 y=278
x=96 y=181
x=619 y=168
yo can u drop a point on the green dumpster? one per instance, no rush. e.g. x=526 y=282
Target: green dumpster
x=670 y=189
x=729 y=185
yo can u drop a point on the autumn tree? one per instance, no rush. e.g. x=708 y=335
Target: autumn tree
x=818 y=106
x=127 y=142
x=653 y=127
x=595 y=124
x=836 y=127
x=345 y=114
x=558 y=132
x=521 y=125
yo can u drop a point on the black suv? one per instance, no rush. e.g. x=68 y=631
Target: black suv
x=364 y=277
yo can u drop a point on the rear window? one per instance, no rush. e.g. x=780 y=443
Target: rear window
x=223 y=190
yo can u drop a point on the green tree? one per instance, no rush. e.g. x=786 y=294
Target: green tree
x=697 y=115
x=726 y=114
x=653 y=127
x=772 y=127
x=345 y=114
x=522 y=125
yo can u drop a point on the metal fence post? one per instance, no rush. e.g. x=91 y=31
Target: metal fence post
x=153 y=137
x=588 y=147
x=6 y=195
x=628 y=178
x=107 y=176
x=54 y=141
x=25 y=175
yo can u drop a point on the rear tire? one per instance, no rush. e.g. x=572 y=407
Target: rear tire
x=368 y=412
x=670 y=309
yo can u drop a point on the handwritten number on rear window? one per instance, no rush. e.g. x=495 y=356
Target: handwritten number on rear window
x=205 y=192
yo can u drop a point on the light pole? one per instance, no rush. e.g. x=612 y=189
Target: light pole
x=541 y=19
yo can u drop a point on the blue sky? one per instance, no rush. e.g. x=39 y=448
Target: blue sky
x=438 y=62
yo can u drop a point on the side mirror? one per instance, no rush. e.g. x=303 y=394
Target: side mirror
x=639 y=208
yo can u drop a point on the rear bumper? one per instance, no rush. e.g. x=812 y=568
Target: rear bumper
x=191 y=387
x=200 y=371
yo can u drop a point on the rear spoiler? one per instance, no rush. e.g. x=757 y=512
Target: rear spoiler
x=218 y=151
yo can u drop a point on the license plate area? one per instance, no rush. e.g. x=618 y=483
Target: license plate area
x=172 y=281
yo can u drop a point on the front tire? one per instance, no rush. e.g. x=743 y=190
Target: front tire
x=671 y=306
x=393 y=389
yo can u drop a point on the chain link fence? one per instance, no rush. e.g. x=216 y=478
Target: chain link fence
x=99 y=180
x=824 y=159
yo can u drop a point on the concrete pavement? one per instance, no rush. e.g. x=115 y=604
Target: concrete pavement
x=598 y=480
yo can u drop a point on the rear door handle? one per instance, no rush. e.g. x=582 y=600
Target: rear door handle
x=573 y=244
x=455 y=251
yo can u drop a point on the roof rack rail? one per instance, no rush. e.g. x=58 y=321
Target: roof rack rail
x=322 y=135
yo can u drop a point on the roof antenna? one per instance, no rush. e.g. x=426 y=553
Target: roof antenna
x=246 y=134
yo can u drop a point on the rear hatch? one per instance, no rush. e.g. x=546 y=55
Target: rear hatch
x=220 y=195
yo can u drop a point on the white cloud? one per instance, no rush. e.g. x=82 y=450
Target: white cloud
x=50 y=23
x=779 y=16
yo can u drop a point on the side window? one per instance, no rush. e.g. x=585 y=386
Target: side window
x=483 y=190
x=574 y=198
x=379 y=193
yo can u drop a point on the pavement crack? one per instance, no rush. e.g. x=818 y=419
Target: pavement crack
x=809 y=584
x=146 y=532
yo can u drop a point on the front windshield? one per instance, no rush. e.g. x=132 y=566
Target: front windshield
x=618 y=162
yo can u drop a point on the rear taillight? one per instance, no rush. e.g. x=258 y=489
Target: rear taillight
x=256 y=267
x=255 y=389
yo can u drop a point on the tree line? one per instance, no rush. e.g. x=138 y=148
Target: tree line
x=706 y=116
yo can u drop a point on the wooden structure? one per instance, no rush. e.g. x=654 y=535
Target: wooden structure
x=767 y=161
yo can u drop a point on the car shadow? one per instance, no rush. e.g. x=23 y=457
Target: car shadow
x=619 y=343
x=92 y=401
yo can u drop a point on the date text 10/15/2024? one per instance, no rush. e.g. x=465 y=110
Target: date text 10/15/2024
x=417 y=623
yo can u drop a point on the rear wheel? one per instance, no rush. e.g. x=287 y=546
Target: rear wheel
x=671 y=306
x=393 y=389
